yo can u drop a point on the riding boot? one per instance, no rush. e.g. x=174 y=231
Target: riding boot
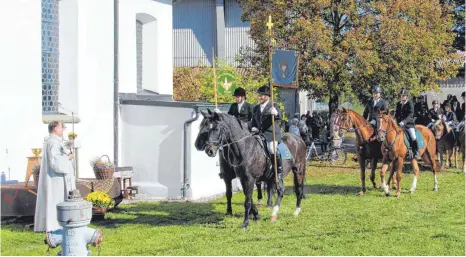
x=415 y=149
x=280 y=172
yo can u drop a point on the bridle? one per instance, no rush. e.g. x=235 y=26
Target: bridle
x=344 y=130
x=221 y=143
x=385 y=133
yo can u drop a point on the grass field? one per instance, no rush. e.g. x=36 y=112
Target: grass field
x=333 y=221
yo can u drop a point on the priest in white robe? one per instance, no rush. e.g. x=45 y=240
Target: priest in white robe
x=56 y=179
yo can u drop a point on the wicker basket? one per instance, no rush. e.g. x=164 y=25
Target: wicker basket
x=103 y=172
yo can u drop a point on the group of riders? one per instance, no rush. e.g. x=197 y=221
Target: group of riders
x=408 y=114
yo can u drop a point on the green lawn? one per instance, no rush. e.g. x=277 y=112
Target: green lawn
x=333 y=221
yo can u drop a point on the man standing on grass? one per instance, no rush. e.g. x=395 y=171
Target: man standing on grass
x=56 y=179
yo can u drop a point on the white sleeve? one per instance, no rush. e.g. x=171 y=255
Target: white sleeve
x=59 y=162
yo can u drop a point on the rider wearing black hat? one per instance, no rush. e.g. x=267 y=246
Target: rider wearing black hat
x=404 y=115
x=420 y=110
x=434 y=112
x=241 y=109
x=377 y=103
x=262 y=123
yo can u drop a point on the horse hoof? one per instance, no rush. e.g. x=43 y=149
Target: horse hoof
x=387 y=194
x=229 y=213
x=297 y=211
x=245 y=226
x=257 y=217
x=361 y=193
x=411 y=191
x=273 y=218
x=376 y=186
x=435 y=189
x=397 y=195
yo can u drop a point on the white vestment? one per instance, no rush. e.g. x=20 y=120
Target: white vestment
x=56 y=179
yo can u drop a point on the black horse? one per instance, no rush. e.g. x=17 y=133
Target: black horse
x=245 y=153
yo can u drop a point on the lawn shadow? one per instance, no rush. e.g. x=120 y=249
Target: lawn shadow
x=162 y=214
x=323 y=189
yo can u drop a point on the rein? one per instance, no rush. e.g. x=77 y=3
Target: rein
x=221 y=146
x=390 y=146
x=356 y=130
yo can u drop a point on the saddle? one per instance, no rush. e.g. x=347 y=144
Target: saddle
x=419 y=138
x=282 y=150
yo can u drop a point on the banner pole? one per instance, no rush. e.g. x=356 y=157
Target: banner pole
x=270 y=26
x=215 y=78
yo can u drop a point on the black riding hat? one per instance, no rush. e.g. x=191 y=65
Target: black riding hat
x=404 y=91
x=434 y=102
x=264 y=90
x=376 y=89
x=239 y=92
x=462 y=94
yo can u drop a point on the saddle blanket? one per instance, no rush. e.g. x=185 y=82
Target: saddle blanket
x=284 y=151
x=419 y=139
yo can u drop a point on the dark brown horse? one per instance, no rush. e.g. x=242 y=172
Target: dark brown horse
x=394 y=151
x=460 y=136
x=245 y=152
x=367 y=149
x=445 y=137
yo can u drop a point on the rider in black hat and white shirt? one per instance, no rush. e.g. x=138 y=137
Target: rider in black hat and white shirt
x=404 y=115
x=262 y=123
x=241 y=109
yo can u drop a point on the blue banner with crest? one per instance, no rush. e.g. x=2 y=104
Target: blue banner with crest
x=284 y=67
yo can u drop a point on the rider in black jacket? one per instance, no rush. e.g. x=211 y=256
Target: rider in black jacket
x=404 y=115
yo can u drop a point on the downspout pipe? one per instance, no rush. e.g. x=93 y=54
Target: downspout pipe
x=185 y=186
x=115 y=80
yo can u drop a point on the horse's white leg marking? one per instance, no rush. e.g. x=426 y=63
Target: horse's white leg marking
x=414 y=184
x=275 y=210
x=297 y=211
x=435 y=183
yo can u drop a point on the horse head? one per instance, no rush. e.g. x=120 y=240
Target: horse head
x=440 y=128
x=383 y=124
x=212 y=133
x=342 y=122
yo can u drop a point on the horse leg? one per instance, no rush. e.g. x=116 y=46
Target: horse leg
x=398 y=176
x=449 y=157
x=259 y=193
x=362 y=173
x=382 y=177
x=248 y=187
x=229 y=193
x=373 y=168
x=281 y=192
x=416 y=176
x=269 y=193
x=298 y=188
x=455 y=152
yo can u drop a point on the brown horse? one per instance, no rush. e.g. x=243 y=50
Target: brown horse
x=445 y=142
x=394 y=150
x=367 y=149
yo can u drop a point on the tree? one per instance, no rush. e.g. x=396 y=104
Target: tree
x=346 y=46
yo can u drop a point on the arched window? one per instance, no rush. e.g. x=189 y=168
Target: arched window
x=50 y=56
x=146 y=53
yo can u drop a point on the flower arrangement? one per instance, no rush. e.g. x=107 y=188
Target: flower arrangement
x=72 y=135
x=100 y=199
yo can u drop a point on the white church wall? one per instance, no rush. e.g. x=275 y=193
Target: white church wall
x=21 y=126
x=95 y=82
x=160 y=79
x=152 y=143
x=205 y=181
